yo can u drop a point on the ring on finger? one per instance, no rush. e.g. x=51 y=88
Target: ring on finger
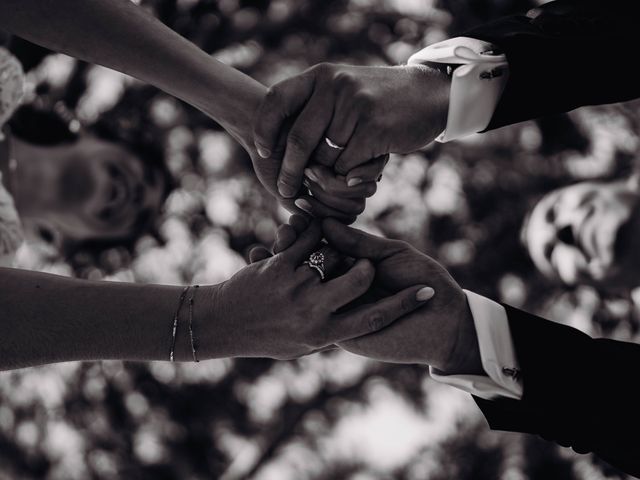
x=316 y=262
x=333 y=144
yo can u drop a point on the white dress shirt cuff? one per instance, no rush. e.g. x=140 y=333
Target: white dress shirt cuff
x=496 y=351
x=478 y=78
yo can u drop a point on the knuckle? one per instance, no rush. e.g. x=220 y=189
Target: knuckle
x=298 y=140
x=407 y=304
x=364 y=102
x=288 y=175
x=322 y=68
x=399 y=245
x=342 y=166
x=375 y=321
x=273 y=97
x=344 y=80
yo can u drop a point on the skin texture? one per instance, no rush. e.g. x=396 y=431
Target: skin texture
x=359 y=108
x=274 y=308
x=141 y=46
x=267 y=309
x=285 y=311
x=441 y=333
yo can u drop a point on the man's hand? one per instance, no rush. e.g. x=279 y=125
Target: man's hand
x=441 y=333
x=278 y=307
x=325 y=194
x=370 y=111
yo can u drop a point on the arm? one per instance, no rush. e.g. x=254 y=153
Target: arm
x=578 y=391
x=122 y=36
x=563 y=55
x=276 y=308
x=573 y=389
x=47 y=318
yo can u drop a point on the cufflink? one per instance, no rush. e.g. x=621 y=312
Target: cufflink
x=511 y=372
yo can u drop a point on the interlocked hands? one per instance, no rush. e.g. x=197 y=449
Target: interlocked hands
x=331 y=128
x=440 y=332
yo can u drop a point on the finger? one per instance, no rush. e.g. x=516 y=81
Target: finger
x=340 y=130
x=371 y=318
x=336 y=185
x=349 y=286
x=328 y=348
x=317 y=209
x=351 y=206
x=304 y=245
x=358 y=152
x=356 y=243
x=367 y=172
x=282 y=100
x=305 y=134
x=285 y=237
x=299 y=223
x=258 y=253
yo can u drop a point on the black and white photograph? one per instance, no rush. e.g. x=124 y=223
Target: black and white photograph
x=319 y=240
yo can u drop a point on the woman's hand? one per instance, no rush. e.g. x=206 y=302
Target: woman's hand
x=323 y=193
x=279 y=307
x=440 y=334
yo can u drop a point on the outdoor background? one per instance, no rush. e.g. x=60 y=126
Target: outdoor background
x=331 y=416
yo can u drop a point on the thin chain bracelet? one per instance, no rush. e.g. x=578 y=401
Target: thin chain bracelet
x=175 y=322
x=193 y=343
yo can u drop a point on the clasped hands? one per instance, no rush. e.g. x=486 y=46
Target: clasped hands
x=330 y=130
x=384 y=311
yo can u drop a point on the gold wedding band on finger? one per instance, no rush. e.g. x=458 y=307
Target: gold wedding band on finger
x=316 y=262
x=333 y=144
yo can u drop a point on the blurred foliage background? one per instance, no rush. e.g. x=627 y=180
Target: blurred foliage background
x=333 y=415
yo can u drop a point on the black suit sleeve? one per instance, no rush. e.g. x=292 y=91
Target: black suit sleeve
x=566 y=54
x=578 y=391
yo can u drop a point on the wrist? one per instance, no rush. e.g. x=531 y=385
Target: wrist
x=433 y=89
x=232 y=99
x=204 y=325
x=216 y=325
x=465 y=357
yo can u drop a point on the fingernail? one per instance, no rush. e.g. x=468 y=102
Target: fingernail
x=425 y=294
x=352 y=182
x=285 y=190
x=302 y=204
x=263 y=152
x=311 y=175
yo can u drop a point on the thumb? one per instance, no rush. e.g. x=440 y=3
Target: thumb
x=282 y=100
x=356 y=243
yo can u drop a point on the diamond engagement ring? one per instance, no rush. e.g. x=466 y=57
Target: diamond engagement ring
x=316 y=262
x=333 y=144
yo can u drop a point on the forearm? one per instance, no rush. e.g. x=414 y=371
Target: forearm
x=559 y=54
x=122 y=36
x=48 y=318
x=578 y=391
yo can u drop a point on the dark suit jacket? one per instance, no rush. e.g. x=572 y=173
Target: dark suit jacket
x=578 y=391
x=566 y=54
